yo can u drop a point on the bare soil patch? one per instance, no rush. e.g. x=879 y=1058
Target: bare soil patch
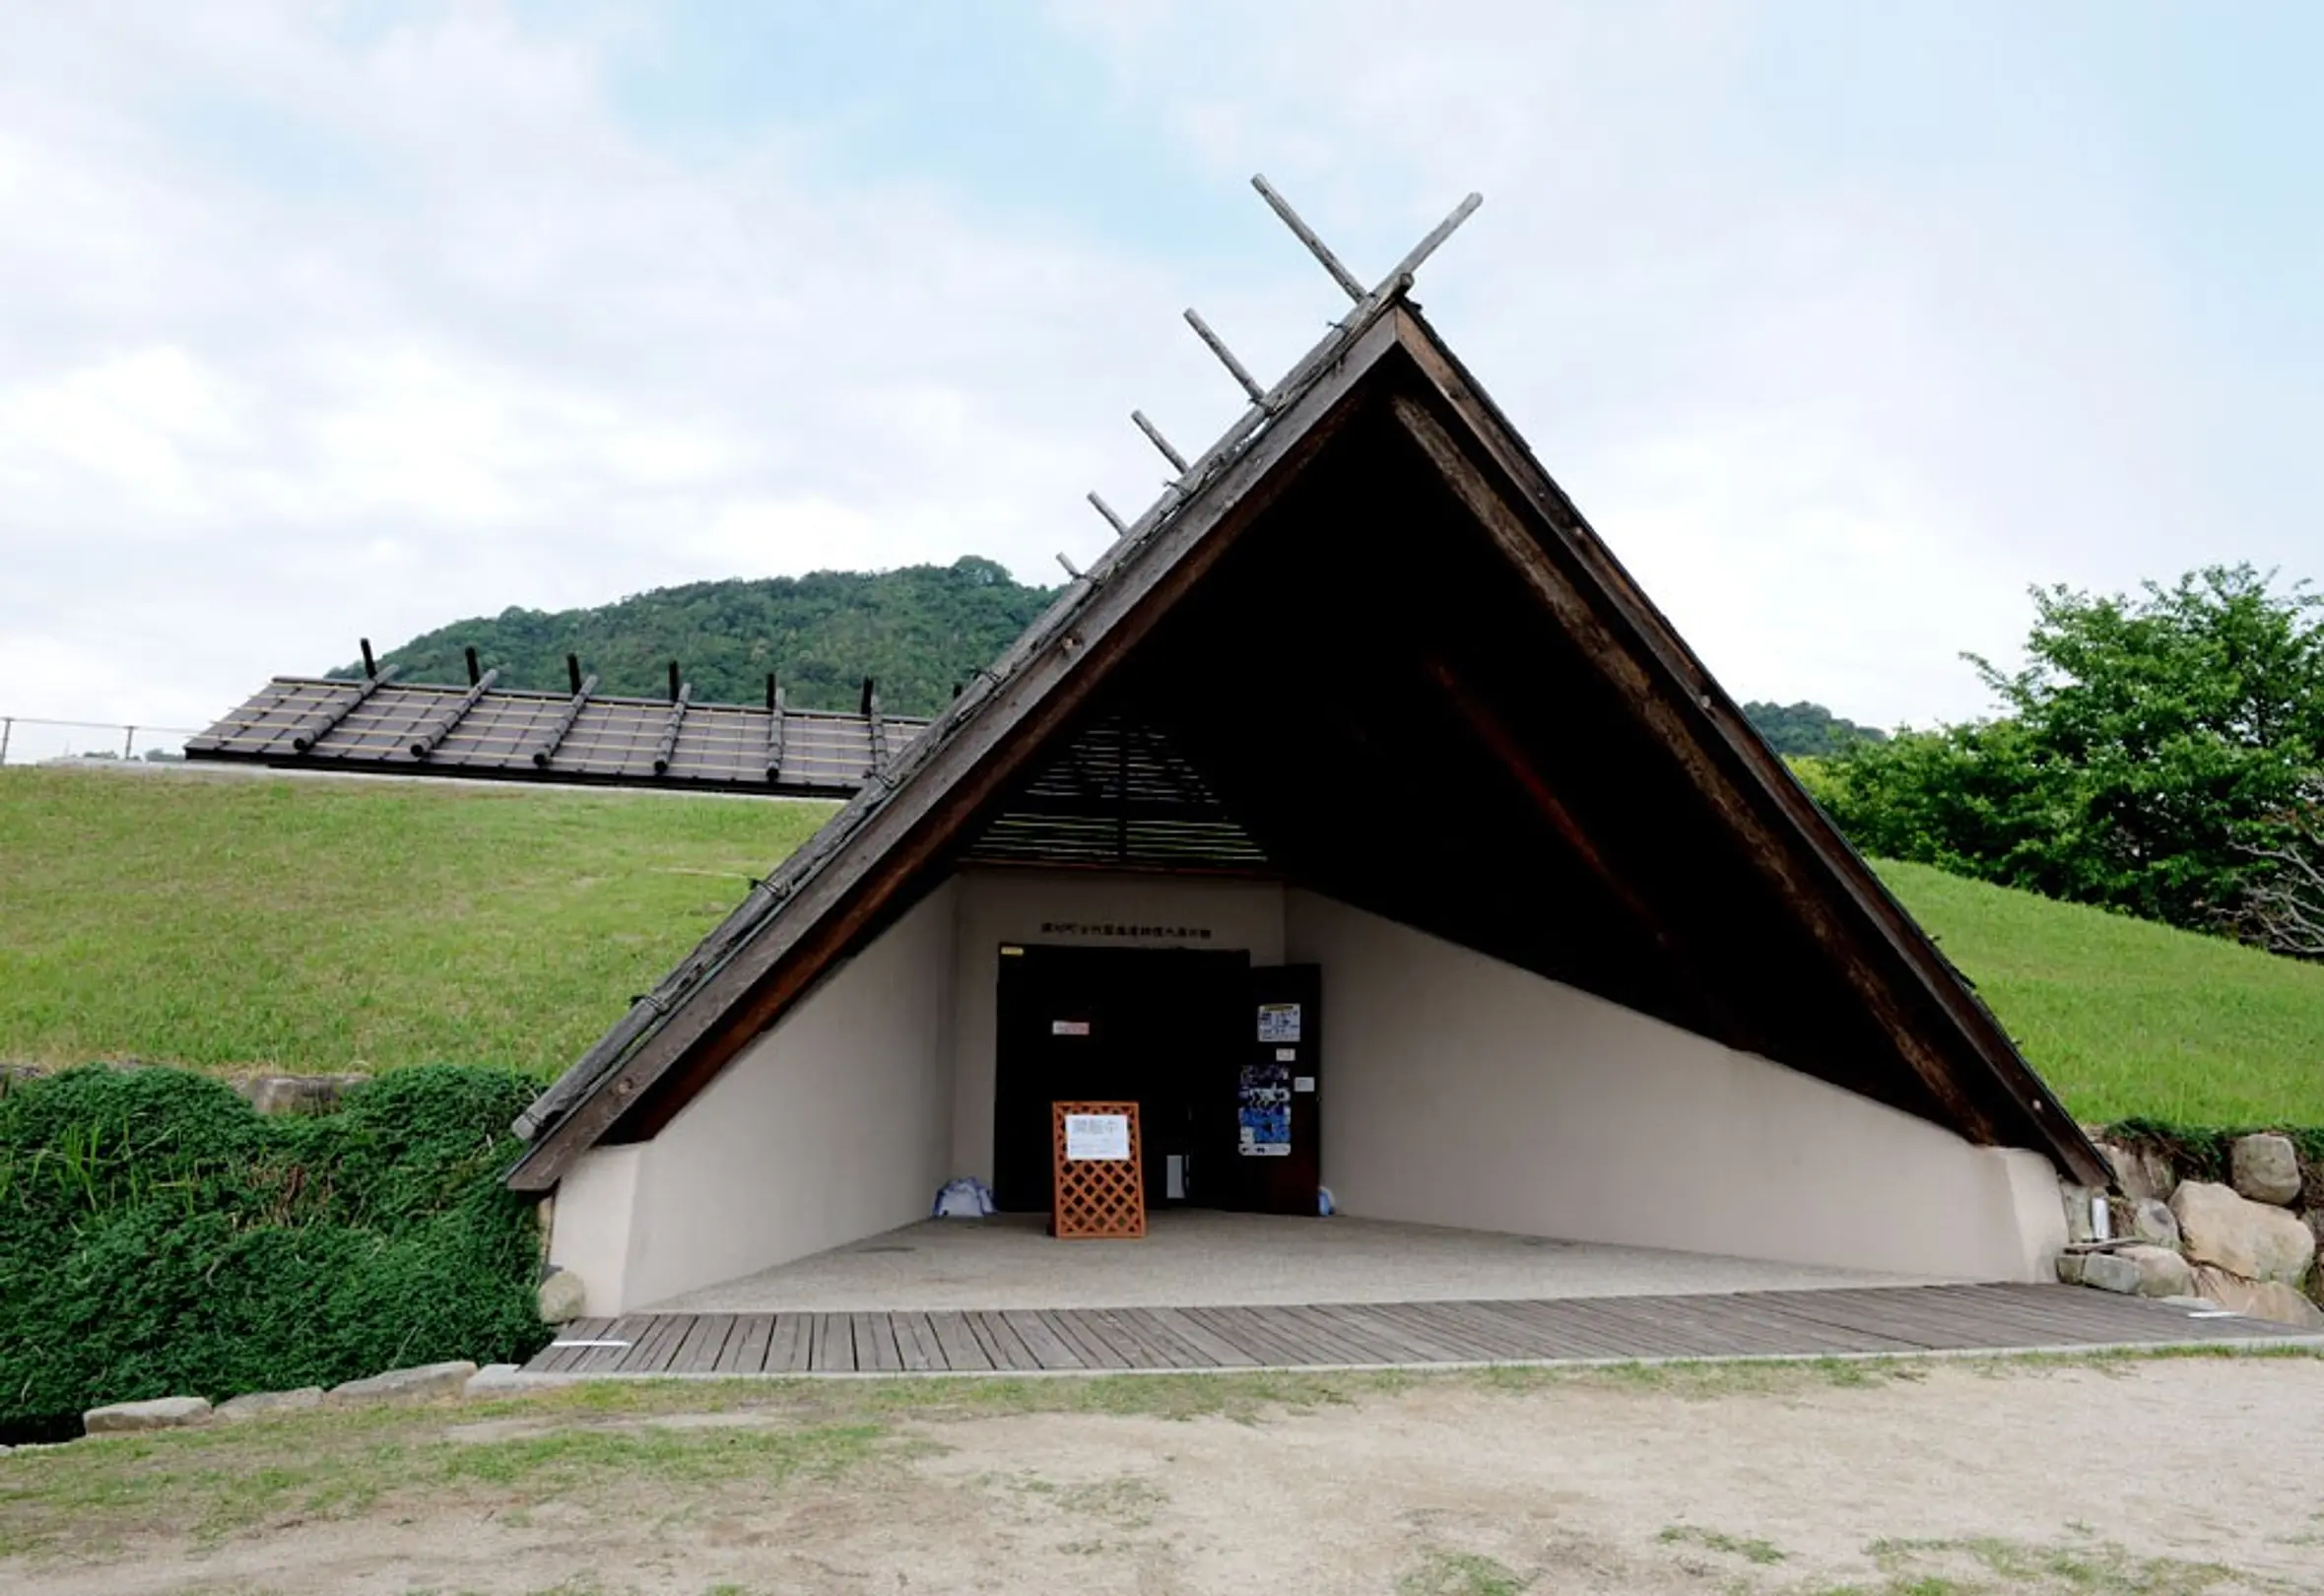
x=2154 y=1475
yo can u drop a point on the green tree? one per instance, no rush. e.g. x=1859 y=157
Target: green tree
x=2149 y=745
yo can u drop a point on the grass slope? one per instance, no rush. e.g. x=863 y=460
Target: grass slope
x=2125 y=1017
x=339 y=925
x=315 y=926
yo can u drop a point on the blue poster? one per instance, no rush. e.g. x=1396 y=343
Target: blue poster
x=1263 y=1111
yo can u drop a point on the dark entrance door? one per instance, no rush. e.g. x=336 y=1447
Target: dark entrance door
x=1160 y=1027
x=1275 y=1163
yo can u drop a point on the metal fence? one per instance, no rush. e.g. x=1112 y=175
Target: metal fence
x=33 y=739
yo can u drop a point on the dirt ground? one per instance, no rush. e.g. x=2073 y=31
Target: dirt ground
x=2162 y=1476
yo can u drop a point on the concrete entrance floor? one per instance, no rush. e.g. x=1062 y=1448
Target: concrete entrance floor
x=1198 y=1258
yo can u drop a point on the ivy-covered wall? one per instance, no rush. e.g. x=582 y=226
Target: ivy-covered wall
x=160 y=1237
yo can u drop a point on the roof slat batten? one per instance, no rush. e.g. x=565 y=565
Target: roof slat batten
x=565 y=724
x=669 y=743
x=315 y=730
x=426 y=741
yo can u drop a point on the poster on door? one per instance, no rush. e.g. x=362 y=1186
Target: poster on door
x=1263 y=1111
x=1278 y=1022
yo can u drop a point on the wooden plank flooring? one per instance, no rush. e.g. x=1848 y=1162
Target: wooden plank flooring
x=1803 y=1324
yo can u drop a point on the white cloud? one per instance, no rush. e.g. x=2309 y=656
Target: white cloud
x=304 y=334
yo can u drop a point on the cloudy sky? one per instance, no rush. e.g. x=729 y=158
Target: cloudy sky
x=1845 y=323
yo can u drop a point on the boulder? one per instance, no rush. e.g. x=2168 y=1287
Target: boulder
x=162 y=1412
x=2154 y=1224
x=2110 y=1272
x=2161 y=1271
x=2243 y=1237
x=2141 y=1171
x=2269 y=1299
x=562 y=1297
x=2265 y=1168
x=259 y=1404
x=398 y=1385
x=2070 y=1267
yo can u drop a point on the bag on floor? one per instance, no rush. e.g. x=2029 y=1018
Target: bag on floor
x=967 y=1198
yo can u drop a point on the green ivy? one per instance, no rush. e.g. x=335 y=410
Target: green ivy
x=160 y=1237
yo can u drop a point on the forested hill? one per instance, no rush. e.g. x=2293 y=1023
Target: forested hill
x=1807 y=728
x=917 y=632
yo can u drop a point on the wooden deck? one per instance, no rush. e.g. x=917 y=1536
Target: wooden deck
x=1901 y=1321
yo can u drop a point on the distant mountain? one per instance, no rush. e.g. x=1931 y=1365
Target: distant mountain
x=918 y=630
x=1807 y=728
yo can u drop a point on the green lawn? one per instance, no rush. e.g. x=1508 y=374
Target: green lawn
x=2127 y=1018
x=344 y=926
x=317 y=927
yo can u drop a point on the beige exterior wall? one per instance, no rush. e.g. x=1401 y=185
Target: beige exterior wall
x=1069 y=906
x=1461 y=1091
x=835 y=1124
x=1457 y=1091
x=589 y=1225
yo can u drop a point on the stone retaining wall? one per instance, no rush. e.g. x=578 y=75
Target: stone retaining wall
x=2248 y=1244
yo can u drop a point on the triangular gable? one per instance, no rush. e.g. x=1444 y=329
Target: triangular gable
x=1401 y=659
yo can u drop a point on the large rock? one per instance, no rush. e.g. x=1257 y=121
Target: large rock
x=2161 y=1271
x=2243 y=1237
x=2269 y=1299
x=422 y=1384
x=2110 y=1272
x=2154 y=1224
x=162 y=1412
x=260 y=1404
x=563 y=1298
x=2141 y=1171
x=2265 y=1168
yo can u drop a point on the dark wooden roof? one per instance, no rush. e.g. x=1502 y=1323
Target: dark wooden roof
x=1400 y=661
x=317 y=723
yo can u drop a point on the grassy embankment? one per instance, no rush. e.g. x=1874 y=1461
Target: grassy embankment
x=324 y=926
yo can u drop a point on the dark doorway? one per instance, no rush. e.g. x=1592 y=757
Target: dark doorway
x=1160 y=1027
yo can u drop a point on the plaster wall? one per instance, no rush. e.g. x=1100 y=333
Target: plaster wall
x=833 y=1125
x=1461 y=1091
x=1081 y=909
x=589 y=1224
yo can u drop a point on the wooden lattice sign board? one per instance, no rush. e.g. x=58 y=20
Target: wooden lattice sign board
x=1100 y=1172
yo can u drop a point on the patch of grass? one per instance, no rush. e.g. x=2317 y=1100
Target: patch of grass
x=1461 y=1573
x=312 y=926
x=1750 y=1548
x=2065 y=1568
x=216 y=1481
x=2125 y=1018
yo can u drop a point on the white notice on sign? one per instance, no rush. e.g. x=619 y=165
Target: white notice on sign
x=1278 y=1022
x=1097 y=1136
